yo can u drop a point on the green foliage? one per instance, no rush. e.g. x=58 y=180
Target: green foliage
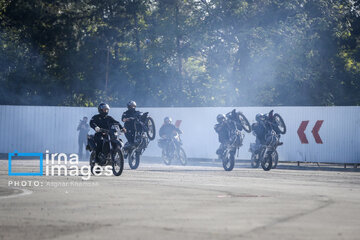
x=180 y=53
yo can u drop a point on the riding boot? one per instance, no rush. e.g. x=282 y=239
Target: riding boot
x=97 y=156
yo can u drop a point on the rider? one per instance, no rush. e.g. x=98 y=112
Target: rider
x=128 y=118
x=102 y=121
x=222 y=128
x=264 y=124
x=167 y=131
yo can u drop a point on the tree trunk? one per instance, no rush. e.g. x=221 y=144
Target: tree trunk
x=137 y=41
x=178 y=47
x=107 y=68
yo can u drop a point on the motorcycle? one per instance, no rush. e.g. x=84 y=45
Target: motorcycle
x=145 y=132
x=171 y=150
x=111 y=153
x=266 y=154
x=236 y=120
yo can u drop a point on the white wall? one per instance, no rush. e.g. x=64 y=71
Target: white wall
x=38 y=128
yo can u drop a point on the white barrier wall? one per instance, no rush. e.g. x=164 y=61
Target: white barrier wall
x=39 y=128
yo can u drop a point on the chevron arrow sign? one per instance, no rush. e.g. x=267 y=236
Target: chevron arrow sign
x=314 y=131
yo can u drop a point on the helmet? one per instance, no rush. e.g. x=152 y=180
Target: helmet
x=167 y=120
x=131 y=105
x=220 y=118
x=259 y=117
x=103 y=109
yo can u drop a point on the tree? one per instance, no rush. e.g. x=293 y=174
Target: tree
x=180 y=52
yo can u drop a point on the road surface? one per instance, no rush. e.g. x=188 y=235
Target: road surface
x=176 y=202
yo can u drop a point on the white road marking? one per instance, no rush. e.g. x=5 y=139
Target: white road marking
x=23 y=193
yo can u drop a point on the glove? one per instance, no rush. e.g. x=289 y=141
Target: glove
x=97 y=129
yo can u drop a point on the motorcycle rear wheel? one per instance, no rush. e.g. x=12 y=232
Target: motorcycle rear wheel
x=134 y=160
x=266 y=161
x=275 y=159
x=117 y=162
x=229 y=161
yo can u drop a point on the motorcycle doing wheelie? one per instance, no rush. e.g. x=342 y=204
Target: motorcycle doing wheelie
x=145 y=132
x=172 y=150
x=236 y=121
x=111 y=151
x=266 y=154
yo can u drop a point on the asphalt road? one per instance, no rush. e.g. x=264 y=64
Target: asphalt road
x=176 y=202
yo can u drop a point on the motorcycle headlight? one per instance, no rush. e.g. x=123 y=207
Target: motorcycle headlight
x=116 y=133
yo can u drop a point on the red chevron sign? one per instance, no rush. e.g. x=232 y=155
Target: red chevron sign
x=301 y=133
x=314 y=131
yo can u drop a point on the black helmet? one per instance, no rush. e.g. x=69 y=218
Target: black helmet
x=131 y=105
x=167 y=120
x=259 y=117
x=220 y=118
x=103 y=109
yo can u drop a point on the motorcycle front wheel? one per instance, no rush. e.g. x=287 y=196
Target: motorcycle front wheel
x=92 y=163
x=254 y=161
x=134 y=160
x=280 y=122
x=229 y=161
x=166 y=159
x=266 y=161
x=151 y=131
x=244 y=122
x=117 y=162
x=182 y=156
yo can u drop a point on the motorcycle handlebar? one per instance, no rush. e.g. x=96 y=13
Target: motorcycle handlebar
x=102 y=130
